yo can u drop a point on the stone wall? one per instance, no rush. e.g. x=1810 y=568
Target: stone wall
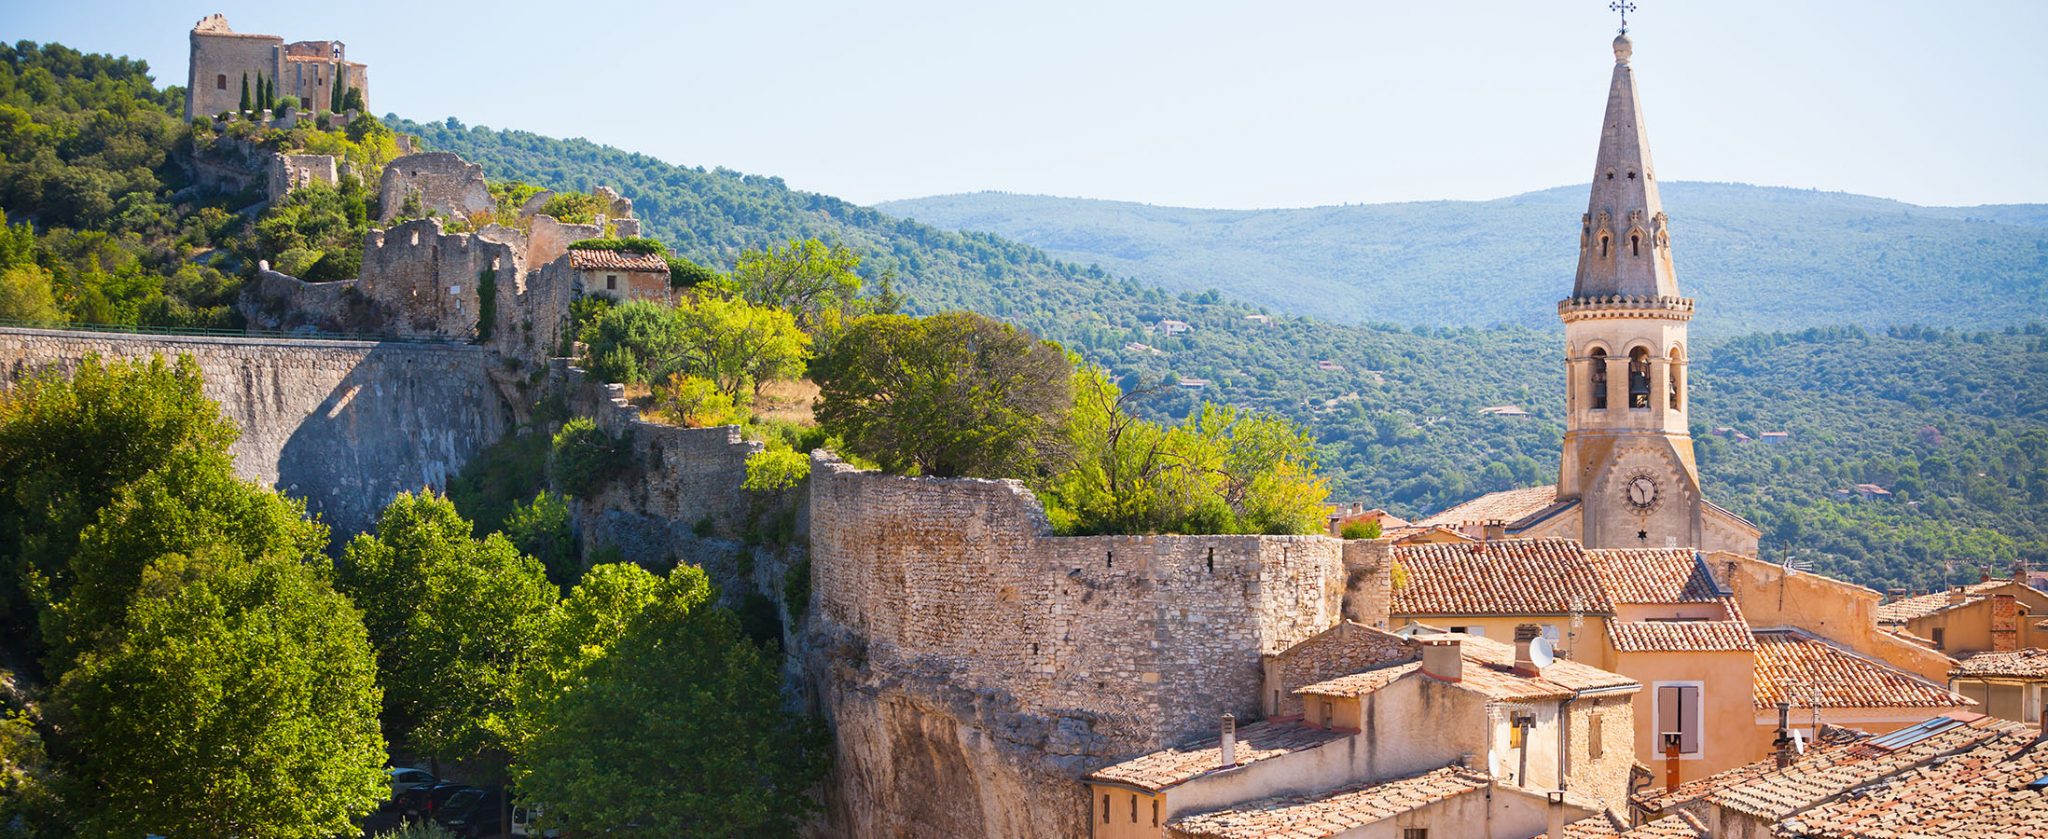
x=427 y=281
x=343 y=424
x=1043 y=657
x=443 y=181
x=291 y=171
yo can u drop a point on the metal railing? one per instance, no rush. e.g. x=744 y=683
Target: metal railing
x=205 y=332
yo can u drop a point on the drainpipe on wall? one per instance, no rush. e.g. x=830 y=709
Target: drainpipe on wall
x=1670 y=761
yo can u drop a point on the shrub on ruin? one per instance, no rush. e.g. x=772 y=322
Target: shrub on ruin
x=683 y=273
x=585 y=458
x=953 y=394
x=771 y=470
x=630 y=342
x=572 y=207
x=628 y=244
x=1361 y=530
x=695 y=402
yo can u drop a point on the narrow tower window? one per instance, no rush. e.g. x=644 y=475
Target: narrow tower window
x=220 y=82
x=1677 y=379
x=1596 y=382
x=1635 y=245
x=1639 y=378
x=1603 y=247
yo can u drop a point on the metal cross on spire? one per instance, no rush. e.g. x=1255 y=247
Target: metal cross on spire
x=1624 y=7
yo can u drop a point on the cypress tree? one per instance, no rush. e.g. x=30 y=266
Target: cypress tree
x=245 y=93
x=264 y=85
x=334 y=90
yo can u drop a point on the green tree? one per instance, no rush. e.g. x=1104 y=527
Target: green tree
x=738 y=346
x=453 y=619
x=677 y=678
x=246 y=105
x=241 y=701
x=25 y=296
x=807 y=278
x=69 y=447
x=633 y=341
x=585 y=458
x=334 y=89
x=953 y=394
x=541 y=529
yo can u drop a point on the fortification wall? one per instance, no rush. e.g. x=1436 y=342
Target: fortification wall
x=428 y=282
x=967 y=655
x=343 y=424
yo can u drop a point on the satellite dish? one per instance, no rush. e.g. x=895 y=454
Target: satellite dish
x=1540 y=653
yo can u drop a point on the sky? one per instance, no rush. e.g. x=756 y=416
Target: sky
x=1194 y=103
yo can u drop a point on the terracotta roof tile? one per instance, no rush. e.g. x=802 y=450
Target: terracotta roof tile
x=1330 y=813
x=1610 y=826
x=1506 y=506
x=1679 y=636
x=1360 y=684
x=1653 y=575
x=587 y=259
x=1826 y=772
x=1793 y=666
x=1488 y=670
x=1921 y=605
x=2030 y=663
x=1258 y=741
x=1502 y=577
x=1984 y=791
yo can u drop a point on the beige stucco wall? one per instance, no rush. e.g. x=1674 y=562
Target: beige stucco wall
x=1840 y=612
x=631 y=285
x=1125 y=813
x=1967 y=628
x=1727 y=708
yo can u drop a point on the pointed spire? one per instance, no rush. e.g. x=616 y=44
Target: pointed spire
x=1624 y=245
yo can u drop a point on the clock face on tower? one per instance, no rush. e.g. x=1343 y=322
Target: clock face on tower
x=1641 y=491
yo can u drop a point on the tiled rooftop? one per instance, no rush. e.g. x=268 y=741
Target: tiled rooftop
x=1503 y=577
x=587 y=259
x=1360 y=684
x=1564 y=672
x=1258 y=741
x=1610 y=826
x=1679 y=636
x=1488 y=670
x=1331 y=813
x=1907 y=608
x=1795 y=667
x=1653 y=575
x=1829 y=771
x=1980 y=793
x=2031 y=663
x=1506 y=506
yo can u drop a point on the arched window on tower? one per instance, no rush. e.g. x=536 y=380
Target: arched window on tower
x=1596 y=380
x=1603 y=247
x=1677 y=380
x=1635 y=244
x=220 y=82
x=1639 y=378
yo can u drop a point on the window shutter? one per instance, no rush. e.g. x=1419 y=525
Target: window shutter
x=1689 y=720
x=1667 y=716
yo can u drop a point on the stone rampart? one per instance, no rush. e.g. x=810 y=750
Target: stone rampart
x=288 y=172
x=1045 y=656
x=343 y=424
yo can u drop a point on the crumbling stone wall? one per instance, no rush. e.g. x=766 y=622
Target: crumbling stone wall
x=288 y=172
x=1052 y=655
x=427 y=281
x=550 y=239
x=443 y=181
x=343 y=424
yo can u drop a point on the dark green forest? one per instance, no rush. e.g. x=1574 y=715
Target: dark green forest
x=1756 y=258
x=1951 y=421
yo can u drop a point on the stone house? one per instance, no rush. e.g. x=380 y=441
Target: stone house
x=1372 y=734
x=1989 y=616
x=222 y=58
x=621 y=275
x=2012 y=685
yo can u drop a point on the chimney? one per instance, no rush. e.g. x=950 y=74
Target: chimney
x=1525 y=664
x=1784 y=742
x=1229 y=741
x=1556 y=810
x=1443 y=659
x=1493 y=530
x=1955 y=596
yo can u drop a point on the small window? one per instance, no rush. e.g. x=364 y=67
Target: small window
x=1603 y=247
x=611 y=282
x=1105 y=808
x=1936 y=637
x=1329 y=713
x=1155 y=812
x=1134 y=808
x=1635 y=245
x=1515 y=733
x=1414 y=833
x=1678 y=710
x=220 y=82
x=1596 y=380
x=1639 y=378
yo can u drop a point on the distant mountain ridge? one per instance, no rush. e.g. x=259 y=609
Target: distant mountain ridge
x=1755 y=257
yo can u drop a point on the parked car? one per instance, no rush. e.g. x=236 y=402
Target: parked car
x=424 y=802
x=473 y=812
x=406 y=778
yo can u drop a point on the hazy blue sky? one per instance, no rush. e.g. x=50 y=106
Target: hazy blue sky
x=1214 y=104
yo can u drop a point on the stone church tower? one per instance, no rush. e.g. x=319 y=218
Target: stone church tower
x=1628 y=455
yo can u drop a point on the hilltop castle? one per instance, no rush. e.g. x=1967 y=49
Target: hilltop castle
x=224 y=60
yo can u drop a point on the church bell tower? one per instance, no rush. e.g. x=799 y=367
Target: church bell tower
x=1628 y=454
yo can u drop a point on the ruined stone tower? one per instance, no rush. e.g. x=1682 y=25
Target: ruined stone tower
x=1628 y=455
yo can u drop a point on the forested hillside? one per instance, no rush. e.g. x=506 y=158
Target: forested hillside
x=1951 y=422
x=1755 y=257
